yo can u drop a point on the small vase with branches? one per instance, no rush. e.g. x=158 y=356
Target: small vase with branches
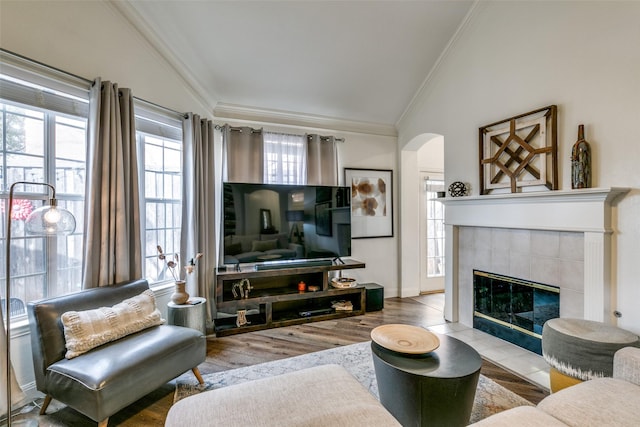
x=180 y=296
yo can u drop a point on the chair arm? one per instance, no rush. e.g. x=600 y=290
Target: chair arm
x=626 y=364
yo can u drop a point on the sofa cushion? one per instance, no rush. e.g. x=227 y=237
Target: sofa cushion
x=521 y=416
x=282 y=238
x=264 y=245
x=233 y=249
x=85 y=330
x=598 y=402
x=326 y=395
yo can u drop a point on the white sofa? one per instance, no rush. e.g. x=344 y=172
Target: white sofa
x=597 y=402
x=326 y=395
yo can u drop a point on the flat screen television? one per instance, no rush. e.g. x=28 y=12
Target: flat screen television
x=271 y=223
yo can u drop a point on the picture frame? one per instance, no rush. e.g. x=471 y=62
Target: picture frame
x=324 y=223
x=371 y=202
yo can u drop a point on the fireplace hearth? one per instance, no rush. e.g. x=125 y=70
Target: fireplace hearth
x=513 y=309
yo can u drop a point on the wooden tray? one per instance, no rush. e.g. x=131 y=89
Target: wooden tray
x=405 y=339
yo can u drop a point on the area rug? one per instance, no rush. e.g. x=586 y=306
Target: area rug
x=490 y=398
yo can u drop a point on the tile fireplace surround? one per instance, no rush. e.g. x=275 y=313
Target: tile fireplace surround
x=561 y=238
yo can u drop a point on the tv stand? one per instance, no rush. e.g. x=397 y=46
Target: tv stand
x=276 y=298
x=337 y=260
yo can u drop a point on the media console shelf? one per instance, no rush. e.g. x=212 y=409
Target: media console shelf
x=274 y=299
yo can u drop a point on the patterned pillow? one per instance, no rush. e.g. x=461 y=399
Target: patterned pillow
x=85 y=330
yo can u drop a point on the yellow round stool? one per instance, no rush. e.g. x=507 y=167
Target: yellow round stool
x=578 y=350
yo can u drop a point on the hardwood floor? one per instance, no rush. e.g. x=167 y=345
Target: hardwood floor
x=256 y=347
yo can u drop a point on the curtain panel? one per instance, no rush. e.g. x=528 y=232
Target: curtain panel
x=244 y=153
x=322 y=160
x=198 y=203
x=112 y=245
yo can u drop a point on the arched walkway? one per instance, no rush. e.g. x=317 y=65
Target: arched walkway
x=410 y=193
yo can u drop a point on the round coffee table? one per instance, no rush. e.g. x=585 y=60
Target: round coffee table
x=436 y=388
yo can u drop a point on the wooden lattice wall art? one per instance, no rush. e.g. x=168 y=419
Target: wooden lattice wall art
x=520 y=151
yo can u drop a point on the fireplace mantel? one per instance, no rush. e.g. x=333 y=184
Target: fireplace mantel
x=588 y=211
x=585 y=210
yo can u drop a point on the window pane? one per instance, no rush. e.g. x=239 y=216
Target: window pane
x=435 y=229
x=163 y=193
x=42 y=147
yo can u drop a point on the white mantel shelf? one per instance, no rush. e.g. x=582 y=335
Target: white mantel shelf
x=584 y=210
x=587 y=211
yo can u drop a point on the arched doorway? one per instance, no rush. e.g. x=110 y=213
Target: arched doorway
x=423 y=153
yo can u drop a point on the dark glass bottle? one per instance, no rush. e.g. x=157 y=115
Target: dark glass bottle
x=581 y=162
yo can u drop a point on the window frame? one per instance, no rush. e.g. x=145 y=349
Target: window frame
x=157 y=122
x=52 y=105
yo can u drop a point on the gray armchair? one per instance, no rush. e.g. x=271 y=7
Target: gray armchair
x=108 y=378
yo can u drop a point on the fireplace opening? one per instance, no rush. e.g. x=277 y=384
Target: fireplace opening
x=513 y=309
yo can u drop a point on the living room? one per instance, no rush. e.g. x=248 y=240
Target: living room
x=505 y=58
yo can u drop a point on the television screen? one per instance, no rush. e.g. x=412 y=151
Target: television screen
x=269 y=222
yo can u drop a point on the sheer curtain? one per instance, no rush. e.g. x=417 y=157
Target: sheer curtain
x=112 y=245
x=198 y=203
x=322 y=160
x=285 y=158
x=244 y=151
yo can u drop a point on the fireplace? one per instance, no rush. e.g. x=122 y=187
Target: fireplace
x=559 y=237
x=513 y=309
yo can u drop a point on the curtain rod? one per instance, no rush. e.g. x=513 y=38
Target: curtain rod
x=86 y=80
x=219 y=127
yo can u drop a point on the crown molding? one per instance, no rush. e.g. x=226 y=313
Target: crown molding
x=140 y=25
x=239 y=112
x=422 y=90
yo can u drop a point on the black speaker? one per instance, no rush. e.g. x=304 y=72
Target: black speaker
x=374 y=296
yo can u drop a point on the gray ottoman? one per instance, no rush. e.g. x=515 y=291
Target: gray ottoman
x=579 y=350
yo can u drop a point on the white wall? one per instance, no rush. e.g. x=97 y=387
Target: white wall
x=91 y=39
x=514 y=57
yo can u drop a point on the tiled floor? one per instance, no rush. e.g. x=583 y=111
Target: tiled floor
x=522 y=362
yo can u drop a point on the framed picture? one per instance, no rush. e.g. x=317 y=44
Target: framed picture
x=371 y=202
x=324 y=225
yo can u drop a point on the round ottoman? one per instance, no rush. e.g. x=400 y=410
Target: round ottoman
x=579 y=350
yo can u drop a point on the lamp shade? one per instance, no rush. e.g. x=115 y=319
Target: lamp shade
x=50 y=220
x=293 y=216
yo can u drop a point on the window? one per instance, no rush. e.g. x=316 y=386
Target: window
x=46 y=146
x=285 y=158
x=160 y=142
x=435 y=229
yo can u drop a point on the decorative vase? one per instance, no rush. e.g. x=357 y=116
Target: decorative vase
x=581 y=162
x=180 y=296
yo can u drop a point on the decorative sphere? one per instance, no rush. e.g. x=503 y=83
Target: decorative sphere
x=457 y=189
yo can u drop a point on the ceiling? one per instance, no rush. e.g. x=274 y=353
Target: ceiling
x=359 y=61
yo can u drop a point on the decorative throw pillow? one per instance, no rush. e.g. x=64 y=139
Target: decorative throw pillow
x=85 y=330
x=233 y=249
x=264 y=245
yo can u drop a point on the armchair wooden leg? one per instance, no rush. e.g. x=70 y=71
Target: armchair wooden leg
x=45 y=404
x=196 y=372
x=104 y=422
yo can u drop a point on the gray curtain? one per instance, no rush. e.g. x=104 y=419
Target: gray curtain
x=112 y=245
x=17 y=396
x=244 y=152
x=322 y=160
x=198 y=204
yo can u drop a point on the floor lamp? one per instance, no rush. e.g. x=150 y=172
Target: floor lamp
x=48 y=220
